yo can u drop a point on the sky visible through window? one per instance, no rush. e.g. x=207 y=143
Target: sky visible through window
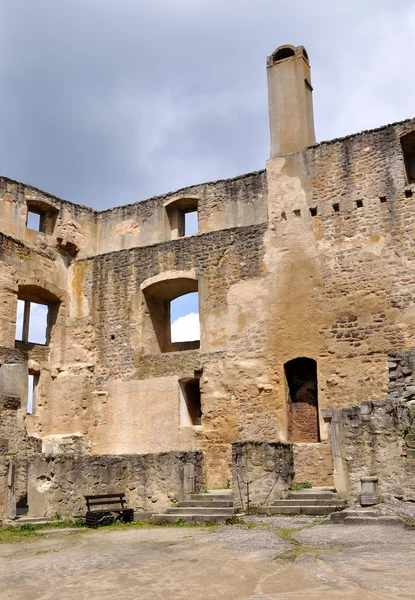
x=33 y=220
x=184 y=318
x=190 y=223
x=30 y=394
x=38 y=321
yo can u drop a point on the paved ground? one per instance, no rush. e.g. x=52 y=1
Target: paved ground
x=267 y=562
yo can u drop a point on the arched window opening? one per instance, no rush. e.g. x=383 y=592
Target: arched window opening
x=171 y=315
x=35 y=316
x=408 y=149
x=184 y=318
x=283 y=53
x=303 y=421
x=190 y=403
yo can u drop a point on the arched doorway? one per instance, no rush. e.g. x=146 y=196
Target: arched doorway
x=303 y=418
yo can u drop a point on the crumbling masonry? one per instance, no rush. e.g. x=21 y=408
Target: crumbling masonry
x=305 y=274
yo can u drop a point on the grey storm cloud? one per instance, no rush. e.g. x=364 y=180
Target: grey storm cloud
x=107 y=102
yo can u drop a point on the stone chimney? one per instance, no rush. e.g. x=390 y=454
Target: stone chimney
x=290 y=100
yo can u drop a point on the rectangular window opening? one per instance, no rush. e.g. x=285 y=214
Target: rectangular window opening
x=190 y=403
x=33 y=379
x=34 y=220
x=313 y=211
x=359 y=203
x=184 y=318
x=190 y=225
x=297 y=212
x=383 y=199
x=32 y=322
x=336 y=207
x=408 y=193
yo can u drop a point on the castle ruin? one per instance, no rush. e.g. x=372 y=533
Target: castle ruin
x=305 y=274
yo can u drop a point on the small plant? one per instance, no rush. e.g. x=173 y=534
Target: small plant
x=228 y=483
x=297 y=486
x=179 y=523
x=234 y=520
x=254 y=509
x=175 y=504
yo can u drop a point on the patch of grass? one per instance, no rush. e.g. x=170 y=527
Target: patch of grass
x=47 y=551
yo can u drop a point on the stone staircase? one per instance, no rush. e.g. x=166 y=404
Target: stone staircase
x=212 y=507
x=314 y=501
x=365 y=516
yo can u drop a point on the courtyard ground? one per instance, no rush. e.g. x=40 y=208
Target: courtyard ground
x=267 y=559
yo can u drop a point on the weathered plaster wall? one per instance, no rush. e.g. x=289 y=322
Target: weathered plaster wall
x=58 y=484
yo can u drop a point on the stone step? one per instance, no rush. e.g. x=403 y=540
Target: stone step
x=380 y=520
x=294 y=509
x=310 y=502
x=340 y=516
x=210 y=497
x=195 y=510
x=189 y=518
x=310 y=495
x=24 y=521
x=198 y=503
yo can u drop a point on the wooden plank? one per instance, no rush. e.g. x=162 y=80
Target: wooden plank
x=121 y=495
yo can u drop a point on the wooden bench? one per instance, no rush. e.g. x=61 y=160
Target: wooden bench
x=114 y=510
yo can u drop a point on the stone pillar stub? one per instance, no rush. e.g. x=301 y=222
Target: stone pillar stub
x=189 y=479
x=340 y=473
x=370 y=491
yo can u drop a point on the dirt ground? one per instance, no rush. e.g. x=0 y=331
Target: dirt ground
x=264 y=561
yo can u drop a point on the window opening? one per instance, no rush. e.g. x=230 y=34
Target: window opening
x=32 y=322
x=33 y=379
x=303 y=422
x=184 y=318
x=297 y=212
x=336 y=207
x=34 y=220
x=408 y=193
x=190 y=403
x=383 y=199
x=190 y=226
x=171 y=315
x=359 y=203
x=408 y=149
x=313 y=211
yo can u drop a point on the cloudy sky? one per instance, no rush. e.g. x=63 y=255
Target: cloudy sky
x=106 y=102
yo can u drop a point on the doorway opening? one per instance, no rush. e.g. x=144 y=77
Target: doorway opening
x=303 y=421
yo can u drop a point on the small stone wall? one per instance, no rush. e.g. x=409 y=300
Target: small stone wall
x=267 y=468
x=152 y=482
x=401 y=367
x=371 y=440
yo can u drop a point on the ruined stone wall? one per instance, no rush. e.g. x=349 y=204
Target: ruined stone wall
x=70 y=228
x=223 y=204
x=372 y=442
x=261 y=471
x=58 y=484
x=341 y=272
x=330 y=277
